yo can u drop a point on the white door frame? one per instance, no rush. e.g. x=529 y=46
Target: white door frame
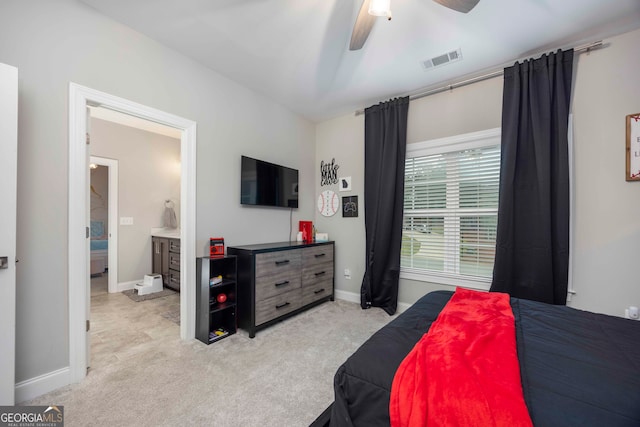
x=8 y=189
x=80 y=98
x=112 y=215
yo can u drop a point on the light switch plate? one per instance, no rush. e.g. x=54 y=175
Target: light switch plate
x=126 y=220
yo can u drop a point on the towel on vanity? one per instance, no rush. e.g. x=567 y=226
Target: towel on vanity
x=170 y=220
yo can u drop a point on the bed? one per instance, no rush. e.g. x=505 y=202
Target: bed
x=577 y=368
x=99 y=248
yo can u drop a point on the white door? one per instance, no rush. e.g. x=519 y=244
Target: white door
x=88 y=242
x=8 y=172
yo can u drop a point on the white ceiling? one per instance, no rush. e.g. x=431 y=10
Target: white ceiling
x=296 y=51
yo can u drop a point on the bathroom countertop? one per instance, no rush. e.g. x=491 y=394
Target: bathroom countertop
x=169 y=233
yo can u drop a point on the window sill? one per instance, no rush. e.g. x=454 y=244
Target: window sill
x=443 y=279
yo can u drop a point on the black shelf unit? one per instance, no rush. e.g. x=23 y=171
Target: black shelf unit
x=213 y=316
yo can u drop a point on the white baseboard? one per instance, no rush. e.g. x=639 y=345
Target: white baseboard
x=354 y=297
x=347 y=296
x=403 y=306
x=125 y=286
x=34 y=387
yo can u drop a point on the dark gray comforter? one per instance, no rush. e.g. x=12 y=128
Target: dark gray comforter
x=578 y=368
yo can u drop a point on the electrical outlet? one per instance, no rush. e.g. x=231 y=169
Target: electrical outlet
x=126 y=220
x=631 y=313
x=347 y=274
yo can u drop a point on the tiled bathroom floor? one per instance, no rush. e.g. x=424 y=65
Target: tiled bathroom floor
x=122 y=329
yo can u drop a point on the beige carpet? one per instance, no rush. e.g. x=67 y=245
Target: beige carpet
x=282 y=377
x=172 y=315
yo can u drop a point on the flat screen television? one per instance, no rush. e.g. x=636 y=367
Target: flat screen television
x=267 y=184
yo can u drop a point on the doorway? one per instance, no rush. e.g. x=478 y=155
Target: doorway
x=80 y=98
x=100 y=259
x=136 y=164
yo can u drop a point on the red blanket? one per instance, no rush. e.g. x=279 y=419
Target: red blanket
x=465 y=370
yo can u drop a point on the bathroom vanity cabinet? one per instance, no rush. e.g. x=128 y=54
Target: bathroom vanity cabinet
x=165 y=260
x=215 y=298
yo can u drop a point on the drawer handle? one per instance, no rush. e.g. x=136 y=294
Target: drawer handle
x=320 y=255
x=278 y=307
x=322 y=273
x=286 y=261
x=286 y=282
x=319 y=291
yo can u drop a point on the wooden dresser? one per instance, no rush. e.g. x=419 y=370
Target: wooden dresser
x=278 y=280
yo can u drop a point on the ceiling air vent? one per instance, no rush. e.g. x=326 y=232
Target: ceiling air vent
x=446 y=58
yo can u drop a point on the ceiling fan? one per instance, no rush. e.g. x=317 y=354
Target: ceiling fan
x=371 y=9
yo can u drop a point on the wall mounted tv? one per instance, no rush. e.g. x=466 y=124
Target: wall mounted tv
x=267 y=184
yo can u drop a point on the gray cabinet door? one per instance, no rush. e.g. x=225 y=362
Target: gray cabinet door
x=160 y=258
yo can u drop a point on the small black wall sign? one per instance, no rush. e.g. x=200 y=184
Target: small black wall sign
x=350 y=206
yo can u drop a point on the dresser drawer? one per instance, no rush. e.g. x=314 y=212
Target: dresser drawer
x=272 y=263
x=174 y=279
x=283 y=281
x=317 y=254
x=278 y=305
x=316 y=291
x=174 y=261
x=174 y=245
x=317 y=273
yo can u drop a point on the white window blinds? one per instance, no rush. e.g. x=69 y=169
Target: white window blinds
x=450 y=210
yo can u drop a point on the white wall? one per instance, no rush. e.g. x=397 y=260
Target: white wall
x=343 y=139
x=55 y=43
x=148 y=174
x=607 y=232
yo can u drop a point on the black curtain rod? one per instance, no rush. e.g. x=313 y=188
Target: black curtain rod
x=580 y=49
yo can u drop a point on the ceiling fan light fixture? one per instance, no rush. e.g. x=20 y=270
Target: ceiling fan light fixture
x=380 y=7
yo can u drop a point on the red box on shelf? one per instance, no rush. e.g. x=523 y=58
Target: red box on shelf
x=307 y=231
x=216 y=247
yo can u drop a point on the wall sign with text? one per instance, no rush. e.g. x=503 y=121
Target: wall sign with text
x=633 y=147
x=329 y=172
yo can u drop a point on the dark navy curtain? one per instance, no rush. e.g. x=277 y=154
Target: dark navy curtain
x=385 y=147
x=532 y=242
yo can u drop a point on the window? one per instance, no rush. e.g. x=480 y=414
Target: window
x=450 y=209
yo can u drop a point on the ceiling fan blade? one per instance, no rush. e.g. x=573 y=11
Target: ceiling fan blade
x=362 y=28
x=463 y=6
